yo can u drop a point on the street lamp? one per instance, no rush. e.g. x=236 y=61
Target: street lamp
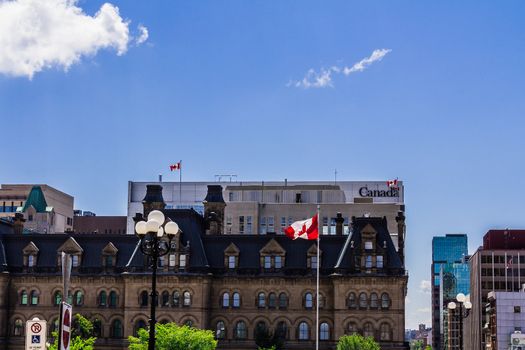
x=152 y=244
x=463 y=312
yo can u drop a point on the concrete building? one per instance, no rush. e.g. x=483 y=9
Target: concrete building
x=506 y=321
x=45 y=209
x=499 y=266
x=450 y=276
x=233 y=284
x=269 y=207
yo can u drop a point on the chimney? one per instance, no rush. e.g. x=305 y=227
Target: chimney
x=18 y=223
x=214 y=210
x=339 y=224
x=400 y=219
x=153 y=199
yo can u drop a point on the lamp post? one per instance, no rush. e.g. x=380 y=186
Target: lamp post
x=152 y=244
x=463 y=312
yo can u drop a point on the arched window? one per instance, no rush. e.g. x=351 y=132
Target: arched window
x=240 y=330
x=139 y=325
x=19 y=327
x=261 y=300
x=34 y=297
x=281 y=332
x=308 y=300
x=272 y=301
x=176 y=299
x=304 y=333
x=165 y=298
x=260 y=328
x=220 y=330
x=352 y=328
x=236 y=300
x=283 y=301
x=57 y=298
x=368 y=330
x=116 y=328
x=23 y=298
x=384 y=331
x=79 y=298
x=324 y=331
x=187 y=298
x=374 y=301
x=144 y=298
x=226 y=300
x=363 y=302
x=97 y=328
x=385 y=301
x=188 y=323
x=102 y=299
x=352 y=303
x=113 y=299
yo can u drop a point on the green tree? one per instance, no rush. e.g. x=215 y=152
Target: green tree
x=171 y=336
x=81 y=336
x=357 y=342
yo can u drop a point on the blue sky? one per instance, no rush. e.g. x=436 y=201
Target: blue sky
x=442 y=111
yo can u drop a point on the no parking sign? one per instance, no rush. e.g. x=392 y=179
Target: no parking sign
x=36 y=334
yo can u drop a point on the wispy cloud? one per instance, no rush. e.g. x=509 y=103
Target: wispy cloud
x=425 y=286
x=36 y=35
x=144 y=34
x=323 y=77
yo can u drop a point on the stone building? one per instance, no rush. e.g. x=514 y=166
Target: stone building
x=235 y=285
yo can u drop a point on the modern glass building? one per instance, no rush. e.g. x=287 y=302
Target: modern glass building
x=450 y=276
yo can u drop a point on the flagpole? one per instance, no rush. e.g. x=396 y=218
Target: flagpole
x=317 y=284
x=180 y=181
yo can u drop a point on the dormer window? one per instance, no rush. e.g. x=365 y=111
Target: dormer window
x=75 y=260
x=312 y=259
x=369 y=245
x=182 y=261
x=109 y=255
x=313 y=262
x=278 y=262
x=272 y=256
x=368 y=261
x=31 y=261
x=267 y=262
x=30 y=253
x=231 y=262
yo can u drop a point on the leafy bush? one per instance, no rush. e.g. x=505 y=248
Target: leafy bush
x=171 y=336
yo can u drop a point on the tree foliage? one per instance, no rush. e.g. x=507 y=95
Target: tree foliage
x=81 y=336
x=357 y=342
x=171 y=336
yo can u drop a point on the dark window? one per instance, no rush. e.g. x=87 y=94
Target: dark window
x=144 y=298
x=517 y=309
x=102 y=299
x=283 y=301
x=352 y=300
x=57 y=298
x=272 y=301
x=374 y=302
x=141 y=324
x=385 y=301
x=116 y=329
x=34 y=297
x=113 y=299
x=97 y=328
x=176 y=299
x=363 y=302
x=220 y=330
x=19 y=327
x=79 y=298
x=23 y=298
x=165 y=298
x=281 y=331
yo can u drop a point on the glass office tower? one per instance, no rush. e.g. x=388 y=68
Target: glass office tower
x=450 y=276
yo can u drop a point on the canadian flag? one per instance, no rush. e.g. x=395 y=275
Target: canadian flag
x=305 y=229
x=392 y=183
x=175 y=166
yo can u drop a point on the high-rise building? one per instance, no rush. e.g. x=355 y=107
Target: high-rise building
x=497 y=266
x=450 y=276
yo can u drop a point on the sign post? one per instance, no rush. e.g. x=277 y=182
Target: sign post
x=64 y=334
x=36 y=334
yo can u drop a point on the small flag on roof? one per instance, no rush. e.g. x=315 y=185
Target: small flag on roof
x=175 y=166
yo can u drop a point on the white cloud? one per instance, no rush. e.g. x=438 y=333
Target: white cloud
x=360 y=66
x=323 y=78
x=144 y=34
x=425 y=286
x=35 y=34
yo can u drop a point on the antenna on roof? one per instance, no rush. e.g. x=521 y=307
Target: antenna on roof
x=218 y=178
